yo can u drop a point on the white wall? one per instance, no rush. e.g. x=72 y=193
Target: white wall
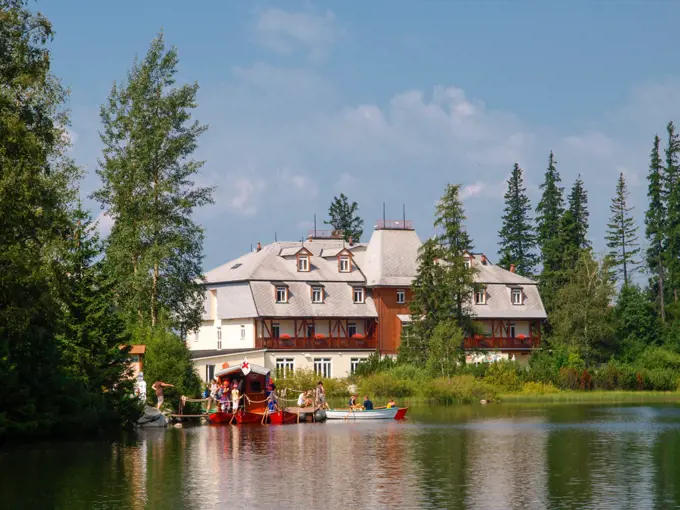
x=231 y=334
x=340 y=362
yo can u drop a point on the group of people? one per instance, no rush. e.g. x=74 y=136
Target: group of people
x=367 y=404
x=227 y=395
x=319 y=402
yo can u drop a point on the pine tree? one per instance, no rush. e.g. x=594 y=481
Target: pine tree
x=92 y=331
x=549 y=214
x=574 y=234
x=455 y=242
x=36 y=189
x=430 y=304
x=155 y=248
x=344 y=218
x=517 y=236
x=622 y=234
x=671 y=194
x=654 y=226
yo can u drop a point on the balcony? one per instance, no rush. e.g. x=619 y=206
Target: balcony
x=498 y=343
x=394 y=225
x=305 y=343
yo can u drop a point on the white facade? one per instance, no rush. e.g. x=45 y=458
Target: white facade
x=337 y=364
x=223 y=334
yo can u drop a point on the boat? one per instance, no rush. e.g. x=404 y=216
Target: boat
x=220 y=417
x=282 y=418
x=253 y=381
x=393 y=413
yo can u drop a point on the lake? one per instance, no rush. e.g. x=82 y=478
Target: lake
x=495 y=456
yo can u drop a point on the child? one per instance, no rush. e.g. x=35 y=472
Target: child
x=235 y=397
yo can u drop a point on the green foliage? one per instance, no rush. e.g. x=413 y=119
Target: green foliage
x=464 y=389
x=574 y=231
x=505 y=374
x=155 y=250
x=654 y=227
x=582 y=320
x=445 y=349
x=305 y=380
x=637 y=324
x=344 y=218
x=671 y=227
x=167 y=359
x=374 y=363
x=517 y=239
x=539 y=388
x=385 y=384
x=622 y=234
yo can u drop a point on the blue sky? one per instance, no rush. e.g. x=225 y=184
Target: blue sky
x=387 y=102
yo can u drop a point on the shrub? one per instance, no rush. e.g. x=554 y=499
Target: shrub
x=569 y=378
x=386 y=385
x=374 y=364
x=539 y=388
x=409 y=372
x=504 y=375
x=659 y=358
x=660 y=379
x=303 y=380
x=459 y=388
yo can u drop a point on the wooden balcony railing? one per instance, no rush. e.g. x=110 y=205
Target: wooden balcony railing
x=316 y=343
x=502 y=343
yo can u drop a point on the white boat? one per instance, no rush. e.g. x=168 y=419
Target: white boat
x=361 y=414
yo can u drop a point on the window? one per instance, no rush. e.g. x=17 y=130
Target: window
x=517 y=297
x=322 y=367
x=344 y=264
x=219 y=338
x=243 y=332
x=196 y=336
x=209 y=373
x=351 y=329
x=281 y=294
x=512 y=331
x=401 y=296
x=358 y=294
x=466 y=262
x=303 y=263
x=317 y=294
x=275 y=330
x=353 y=364
x=310 y=330
x=285 y=367
x=480 y=297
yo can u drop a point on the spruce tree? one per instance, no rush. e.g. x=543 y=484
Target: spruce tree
x=36 y=190
x=430 y=304
x=155 y=249
x=655 y=226
x=455 y=242
x=671 y=194
x=344 y=218
x=549 y=214
x=622 y=234
x=517 y=237
x=574 y=234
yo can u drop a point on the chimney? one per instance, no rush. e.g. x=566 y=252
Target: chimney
x=512 y=268
x=483 y=259
x=351 y=241
x=259 y=247
x=310 y=238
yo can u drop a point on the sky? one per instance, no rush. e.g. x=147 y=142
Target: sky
x=386 y=101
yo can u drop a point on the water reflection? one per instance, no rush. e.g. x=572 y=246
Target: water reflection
x=456 y=457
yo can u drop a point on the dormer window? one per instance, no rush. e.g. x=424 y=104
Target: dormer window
x=281 y=294
x=480 y=297
x=517 y=296
x=303 y=263
x=359 y=295
x=466 y=262
x=317 y=294
x=344 y=263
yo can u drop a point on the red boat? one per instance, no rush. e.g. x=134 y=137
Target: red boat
x=252 y=379
x=401 y=413
x=282 y=418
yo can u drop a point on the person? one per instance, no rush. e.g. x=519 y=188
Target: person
x=368 y=405
x=271 y=399
x=304 y=400
x=320 y=396
x=391 y=404
x=235 y=396
x=158 y=386
x=353 y=401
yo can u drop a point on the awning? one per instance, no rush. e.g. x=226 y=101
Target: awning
x=404 y=318
x=236 y=369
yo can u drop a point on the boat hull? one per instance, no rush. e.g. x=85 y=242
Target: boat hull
x=375 y=414
x=401 y=413
x=220 y=417
x=246 y=418
x=282 y=418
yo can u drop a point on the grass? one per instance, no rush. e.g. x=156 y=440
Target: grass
x=591 y=396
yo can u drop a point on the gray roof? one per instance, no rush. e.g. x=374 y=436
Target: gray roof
x=490 y=273
x=499 y=303
x=235 y=301
x=391 y=258
x=338 y=301
x=277 y=261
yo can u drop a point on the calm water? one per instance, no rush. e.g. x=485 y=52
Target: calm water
x=498 y=456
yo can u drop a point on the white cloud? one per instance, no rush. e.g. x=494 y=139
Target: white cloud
x=298 y=183
x=286 y=32
x=104 y=223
